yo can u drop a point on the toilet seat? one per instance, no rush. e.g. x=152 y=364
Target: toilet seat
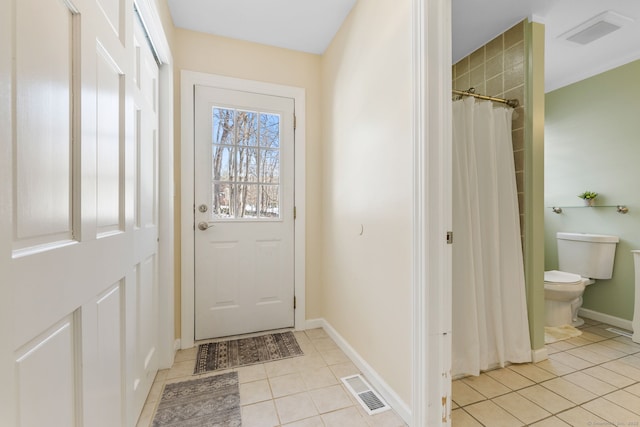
x=561 y=278
x=560 y=285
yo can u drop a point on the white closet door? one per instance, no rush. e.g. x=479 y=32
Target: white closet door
x=78 y=214
x=142 y=298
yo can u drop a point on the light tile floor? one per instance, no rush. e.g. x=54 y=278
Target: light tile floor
x=302 y=391
x=590 y=380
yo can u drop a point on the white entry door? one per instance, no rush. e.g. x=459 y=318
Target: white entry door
x=243 y=213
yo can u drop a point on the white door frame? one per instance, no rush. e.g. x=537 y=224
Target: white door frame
x=431 y=66
x=188 y=81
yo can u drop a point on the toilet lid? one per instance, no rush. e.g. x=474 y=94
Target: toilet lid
x=556 y=276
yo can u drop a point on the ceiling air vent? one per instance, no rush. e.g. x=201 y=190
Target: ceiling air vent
x=596 y=27
x=365 y=394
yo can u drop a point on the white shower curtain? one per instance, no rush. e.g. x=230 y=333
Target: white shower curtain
x=490 y=322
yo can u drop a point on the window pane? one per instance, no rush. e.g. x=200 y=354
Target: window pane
x=246 y=203
x=221 y=206
x=223 y=126
x=270 y=166
x=246 y=128
x=269 y=201
x=247 y=164
x=222 y=166
x=269 y=130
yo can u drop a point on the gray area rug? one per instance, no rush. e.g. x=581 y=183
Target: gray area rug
x=203 y=402
x=246 y=351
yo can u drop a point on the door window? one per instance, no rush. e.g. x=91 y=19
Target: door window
x=245 y=165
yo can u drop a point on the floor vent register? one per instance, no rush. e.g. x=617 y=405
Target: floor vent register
x=370 y=400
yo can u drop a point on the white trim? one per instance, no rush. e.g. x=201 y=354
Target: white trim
x=392 y=398
x=431 y=276
x=188 y=80
x=166 y=257
x=606 y=318
x=166 y=223
x=539 y=355
x=315 y=323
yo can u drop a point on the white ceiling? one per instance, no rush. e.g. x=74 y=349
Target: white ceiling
x=304 y=25
x=309 y=26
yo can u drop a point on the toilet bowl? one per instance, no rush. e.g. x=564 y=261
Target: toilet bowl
x=563 y=297
x=582 y=259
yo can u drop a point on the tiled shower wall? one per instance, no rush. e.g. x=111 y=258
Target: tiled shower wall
x=498 y=69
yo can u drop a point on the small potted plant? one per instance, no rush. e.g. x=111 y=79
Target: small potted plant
x=589 y=197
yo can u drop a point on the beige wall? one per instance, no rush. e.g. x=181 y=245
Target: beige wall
x=167 y=21
x=367 y=171
x=205 y=53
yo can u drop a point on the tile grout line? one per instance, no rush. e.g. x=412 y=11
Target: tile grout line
x=575 y=405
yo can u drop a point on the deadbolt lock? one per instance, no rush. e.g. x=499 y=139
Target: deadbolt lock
x=203 y=208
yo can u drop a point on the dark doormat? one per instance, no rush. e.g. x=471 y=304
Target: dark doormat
x=246 y=351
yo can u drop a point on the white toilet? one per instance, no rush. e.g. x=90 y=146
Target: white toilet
x=581 y=259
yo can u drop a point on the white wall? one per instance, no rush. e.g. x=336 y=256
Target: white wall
x=367 y=187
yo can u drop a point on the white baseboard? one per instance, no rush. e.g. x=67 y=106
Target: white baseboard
x=539 y=355
x=314 y=323
x=402 y=409
x=606 y=318
x=166 y=362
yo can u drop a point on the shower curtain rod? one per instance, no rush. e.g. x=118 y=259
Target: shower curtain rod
x=513 y=103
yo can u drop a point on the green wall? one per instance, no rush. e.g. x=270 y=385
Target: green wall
x=592 y=142
x=533 y=177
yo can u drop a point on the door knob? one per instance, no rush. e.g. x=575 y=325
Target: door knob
x=204 y=225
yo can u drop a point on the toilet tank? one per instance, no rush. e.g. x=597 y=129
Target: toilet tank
x=589 y=255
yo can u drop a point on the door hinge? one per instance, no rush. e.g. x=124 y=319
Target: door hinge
x=294 y=303
x=295 y=212
x=449 y=237
x=295 y=122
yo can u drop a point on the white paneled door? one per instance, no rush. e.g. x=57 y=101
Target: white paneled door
x=78 y=213
x=243 y=213
x=142 y=297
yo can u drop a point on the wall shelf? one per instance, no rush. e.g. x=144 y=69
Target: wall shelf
x=622 y=209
